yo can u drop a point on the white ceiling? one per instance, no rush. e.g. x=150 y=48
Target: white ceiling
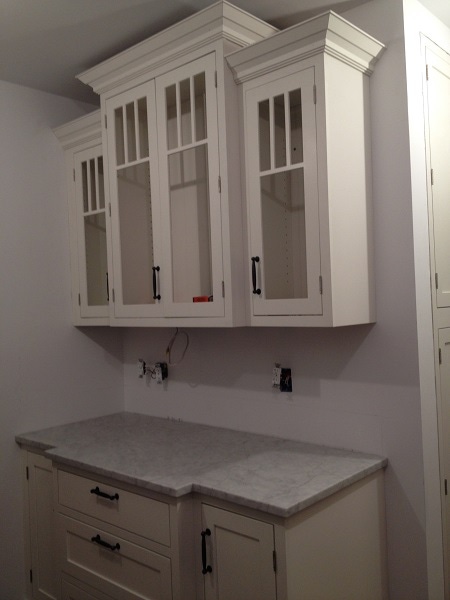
x=44 y=44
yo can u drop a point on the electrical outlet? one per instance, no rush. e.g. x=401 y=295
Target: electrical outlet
x=276 y=374
x=286 y=380
x=161 y=372
x=142 y=368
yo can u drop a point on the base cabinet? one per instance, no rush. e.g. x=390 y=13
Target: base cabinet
x=333 y=550
x=98 y=539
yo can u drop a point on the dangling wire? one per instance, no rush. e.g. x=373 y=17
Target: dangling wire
x=170 y=346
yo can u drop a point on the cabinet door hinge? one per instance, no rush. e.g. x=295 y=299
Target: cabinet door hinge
x=219 y=183
x=106 y=122
x=274 y=559
x=445 y=487
x=109 y=207
x=426 y=72
x=432 y=177
x=79 y=299
x=223 y=289
x=215 y=78
x=74 y=174
x=320 y=285
x=31 y=575
x=440 y=356
x=27 y=472
x=113 y=295
x=436 y=280
x=315 y=94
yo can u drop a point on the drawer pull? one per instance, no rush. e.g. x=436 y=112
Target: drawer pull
x=206 y=568
x=98 y=492
x=98 y=540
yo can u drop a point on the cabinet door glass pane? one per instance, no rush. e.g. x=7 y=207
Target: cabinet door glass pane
x=94 y=220
x=189 y=221
x=280 y=131
x=93 y=184
x=136 y=237
x=295 y=110
x=96 y=259
x=264 y=135
x=143 y=127
x=284 y=235
x=131 y=132
x=186 y=112
x=120 y=136
x=200 y=107
x=101 y=183
x=171 y=117
x=282 y=191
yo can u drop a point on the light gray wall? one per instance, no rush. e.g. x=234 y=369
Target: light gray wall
x=50 y=372
x=356 y=387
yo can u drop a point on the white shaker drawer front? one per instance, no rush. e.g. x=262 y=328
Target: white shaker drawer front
x=132 y=512
x=74 y=591
x=111 y=564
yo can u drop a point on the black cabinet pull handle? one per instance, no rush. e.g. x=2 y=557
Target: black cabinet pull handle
x=255 y=259
x=206 y=568
x=98 y=540
x=98 y=492
x=155 y=295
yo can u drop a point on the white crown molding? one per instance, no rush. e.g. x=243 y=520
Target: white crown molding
x=327 y=33
x=219 y=22
x=84 y=129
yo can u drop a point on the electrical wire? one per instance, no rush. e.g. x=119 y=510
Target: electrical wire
x=170 y=346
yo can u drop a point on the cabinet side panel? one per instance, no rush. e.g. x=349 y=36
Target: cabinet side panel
x=349 y=193
x=340 y=544
x=233 y=218
x=41 y=527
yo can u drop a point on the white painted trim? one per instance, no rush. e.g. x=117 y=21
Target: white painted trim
x=327 y=33
x=80 y=131
x=418 y=21
x=221 y=21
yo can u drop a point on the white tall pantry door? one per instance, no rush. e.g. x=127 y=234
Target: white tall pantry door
x=437 y=115
x=438 y=85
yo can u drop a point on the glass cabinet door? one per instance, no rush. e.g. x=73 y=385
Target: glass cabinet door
x=189 y=185
x=282 y=196
x=92 y=247
x=132 y=152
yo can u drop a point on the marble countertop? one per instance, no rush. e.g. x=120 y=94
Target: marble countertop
x=277 y=476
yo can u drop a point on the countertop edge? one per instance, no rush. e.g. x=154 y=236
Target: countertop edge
x=195 y=487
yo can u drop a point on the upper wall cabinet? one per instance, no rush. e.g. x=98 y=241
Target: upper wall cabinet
x=171 y=144
x=82 y=142
x=304 y=112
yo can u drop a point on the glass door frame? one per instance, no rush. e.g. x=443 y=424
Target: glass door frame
x=147 y=91
x=85 y=156
x=312 y=303
x=206 y=65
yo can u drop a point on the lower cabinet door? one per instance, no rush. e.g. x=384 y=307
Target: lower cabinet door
x=112 y=564
x=237 y=555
